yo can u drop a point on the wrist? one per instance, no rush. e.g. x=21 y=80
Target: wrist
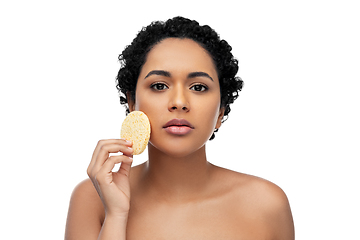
x=114 y=227
x=116 y=216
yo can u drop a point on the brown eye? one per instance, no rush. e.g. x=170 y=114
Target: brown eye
x=199 y=88
x=158 y=86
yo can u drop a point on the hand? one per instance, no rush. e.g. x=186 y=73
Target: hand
x=112 y=187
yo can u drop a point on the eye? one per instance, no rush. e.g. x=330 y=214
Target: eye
x=199 y=88
x=158 y=86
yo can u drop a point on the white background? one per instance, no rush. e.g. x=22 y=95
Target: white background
x=296 y=122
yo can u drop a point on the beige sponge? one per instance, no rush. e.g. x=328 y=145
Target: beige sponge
x=136 y=128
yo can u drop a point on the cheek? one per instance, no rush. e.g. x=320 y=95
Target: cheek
x=208 y=112
x=142 y=99
x=210 y=107
x=153 y=108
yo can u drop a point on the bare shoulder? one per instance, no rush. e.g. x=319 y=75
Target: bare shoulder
x=256 y=198
x=251 y=186
x=262 y=191
x=84 y=187
x=85 y=193
x=86 y=212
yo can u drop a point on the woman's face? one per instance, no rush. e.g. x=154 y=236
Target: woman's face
x=178 y=89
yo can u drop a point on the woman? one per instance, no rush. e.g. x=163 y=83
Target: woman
x=183 y=77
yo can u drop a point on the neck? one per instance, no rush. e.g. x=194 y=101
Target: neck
x=177 y=178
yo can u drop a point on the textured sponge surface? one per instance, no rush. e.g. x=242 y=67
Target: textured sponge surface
x=136 y=128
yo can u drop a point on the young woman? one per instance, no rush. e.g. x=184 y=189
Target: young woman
x=183 y=77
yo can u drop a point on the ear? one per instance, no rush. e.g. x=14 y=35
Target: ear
x=220 y=117
x=131 y=101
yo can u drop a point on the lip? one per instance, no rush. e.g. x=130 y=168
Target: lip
x=178 y=127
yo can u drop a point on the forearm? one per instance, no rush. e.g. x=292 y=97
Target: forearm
x=113 y=228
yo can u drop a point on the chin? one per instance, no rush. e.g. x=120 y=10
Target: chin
x=176 y=149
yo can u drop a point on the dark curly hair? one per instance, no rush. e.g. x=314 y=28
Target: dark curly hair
x=134 y=56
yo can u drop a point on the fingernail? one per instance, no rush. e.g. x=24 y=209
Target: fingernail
x=128 y=141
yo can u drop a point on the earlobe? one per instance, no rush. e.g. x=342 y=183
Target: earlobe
x=220 y=118
x=131 y=101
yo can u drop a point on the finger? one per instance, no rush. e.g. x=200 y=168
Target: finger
x=125 y=168
x=110 y=148
x=102 y=150
x=97 y=149
x=109 y=141
x=104 y=175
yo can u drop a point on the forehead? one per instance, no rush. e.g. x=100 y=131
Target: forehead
x=175 y=54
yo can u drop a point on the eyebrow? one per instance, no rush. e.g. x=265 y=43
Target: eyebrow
x=199 y=74
x=168 y=74
x=158 y=72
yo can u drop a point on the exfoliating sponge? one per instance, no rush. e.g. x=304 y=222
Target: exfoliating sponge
x=136 y=128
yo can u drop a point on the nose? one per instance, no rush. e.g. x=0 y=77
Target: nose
x=179 y=101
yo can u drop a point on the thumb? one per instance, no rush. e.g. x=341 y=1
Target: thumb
x=125 y=167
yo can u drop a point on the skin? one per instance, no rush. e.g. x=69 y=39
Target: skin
x=176 y=194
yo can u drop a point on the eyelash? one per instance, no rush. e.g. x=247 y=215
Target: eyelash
x=203 y=87
x=156 y=85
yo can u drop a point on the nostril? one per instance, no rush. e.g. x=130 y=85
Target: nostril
x=179 y=106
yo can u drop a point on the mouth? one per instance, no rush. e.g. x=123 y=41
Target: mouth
x=178 y=127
